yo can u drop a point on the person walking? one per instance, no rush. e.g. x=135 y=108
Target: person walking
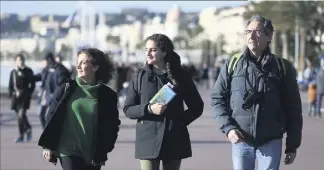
x=83 y=119
x=21 y=87
x=256 y=100
x=161 y=128
x=320 y=89
x=52 y=76
x=312 y=95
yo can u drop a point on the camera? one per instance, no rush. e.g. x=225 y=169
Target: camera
x=250 y=98
x=53 y=158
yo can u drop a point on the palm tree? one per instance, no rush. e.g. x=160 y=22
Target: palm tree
x=283 y=15
x=307 y=15
x=190 y=33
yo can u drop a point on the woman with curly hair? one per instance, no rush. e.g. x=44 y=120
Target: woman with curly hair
x=161 y=129
x=83 y=121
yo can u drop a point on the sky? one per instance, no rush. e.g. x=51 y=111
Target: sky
x=67 y=7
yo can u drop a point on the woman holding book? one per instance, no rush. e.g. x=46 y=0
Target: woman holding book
x=161 y=128
x=83 y=116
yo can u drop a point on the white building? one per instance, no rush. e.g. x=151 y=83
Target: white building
x=228 y=23
x=153 y=26
x=70 y=40
x=102 y=30
x=231 y=24
x=24 y=43
x=208 y=21
x=172 y=22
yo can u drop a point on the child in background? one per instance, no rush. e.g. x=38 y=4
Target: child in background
x=312 y=98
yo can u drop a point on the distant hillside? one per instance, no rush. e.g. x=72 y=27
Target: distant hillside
x=13 y=23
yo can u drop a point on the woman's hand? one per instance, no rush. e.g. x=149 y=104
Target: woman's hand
x=157 y=108
x=47 y=154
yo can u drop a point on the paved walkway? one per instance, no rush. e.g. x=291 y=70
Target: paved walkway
x=211 y=150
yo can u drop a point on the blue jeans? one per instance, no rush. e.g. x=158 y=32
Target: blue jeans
x=319 y=101
x=268 y=156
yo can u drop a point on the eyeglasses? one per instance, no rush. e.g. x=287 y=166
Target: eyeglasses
x=257 y=32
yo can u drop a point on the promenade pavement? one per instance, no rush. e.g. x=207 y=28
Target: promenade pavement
x=211 y=150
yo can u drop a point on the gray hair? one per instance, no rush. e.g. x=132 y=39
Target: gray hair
x=267 y=24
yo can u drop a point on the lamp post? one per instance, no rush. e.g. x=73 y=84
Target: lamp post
x=296 y=43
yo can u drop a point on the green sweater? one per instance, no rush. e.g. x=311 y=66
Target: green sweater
x=80 y=123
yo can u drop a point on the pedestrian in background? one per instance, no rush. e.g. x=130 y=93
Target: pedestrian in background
x=66 y=73
x=21 y=87
x=52 y=76
x=320 y=89
x=312 y=93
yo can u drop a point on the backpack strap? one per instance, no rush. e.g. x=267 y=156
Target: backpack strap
x=139 y=79
x=279 y=61
x=67 y=85
x=281 y=66
x=232 y=63
x=283 y=71
x=231 y=67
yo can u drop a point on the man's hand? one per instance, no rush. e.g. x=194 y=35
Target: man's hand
x=290 y=157
x=158 y=108
x=235 y=136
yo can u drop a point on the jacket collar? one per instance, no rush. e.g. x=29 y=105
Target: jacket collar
x=150 y=69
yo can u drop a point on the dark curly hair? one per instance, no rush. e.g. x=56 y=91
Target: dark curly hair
x=172 y=59
x=105 y=65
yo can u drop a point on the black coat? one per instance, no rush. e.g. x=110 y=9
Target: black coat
x=107 y=124
x=23 y=81
x=162 y=136
x=52 y=77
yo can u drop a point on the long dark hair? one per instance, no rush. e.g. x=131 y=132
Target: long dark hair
x=172 y=59
x=103 y=61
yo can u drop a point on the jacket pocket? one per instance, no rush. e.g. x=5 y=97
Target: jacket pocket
x=146 y=129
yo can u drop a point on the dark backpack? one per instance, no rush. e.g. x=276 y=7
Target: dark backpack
x=139 y=79
x=234 y=59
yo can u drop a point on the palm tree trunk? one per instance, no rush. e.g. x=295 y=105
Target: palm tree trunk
x=302 y=49
x=273 y=43
x=284 y=39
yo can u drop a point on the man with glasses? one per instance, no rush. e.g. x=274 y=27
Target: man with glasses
x=256 y=100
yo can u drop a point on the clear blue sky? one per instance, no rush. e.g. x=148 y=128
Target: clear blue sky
x=67 y=7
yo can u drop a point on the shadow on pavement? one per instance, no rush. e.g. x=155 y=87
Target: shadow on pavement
x=211 y=142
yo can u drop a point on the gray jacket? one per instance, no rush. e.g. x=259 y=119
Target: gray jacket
x=278 y=110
